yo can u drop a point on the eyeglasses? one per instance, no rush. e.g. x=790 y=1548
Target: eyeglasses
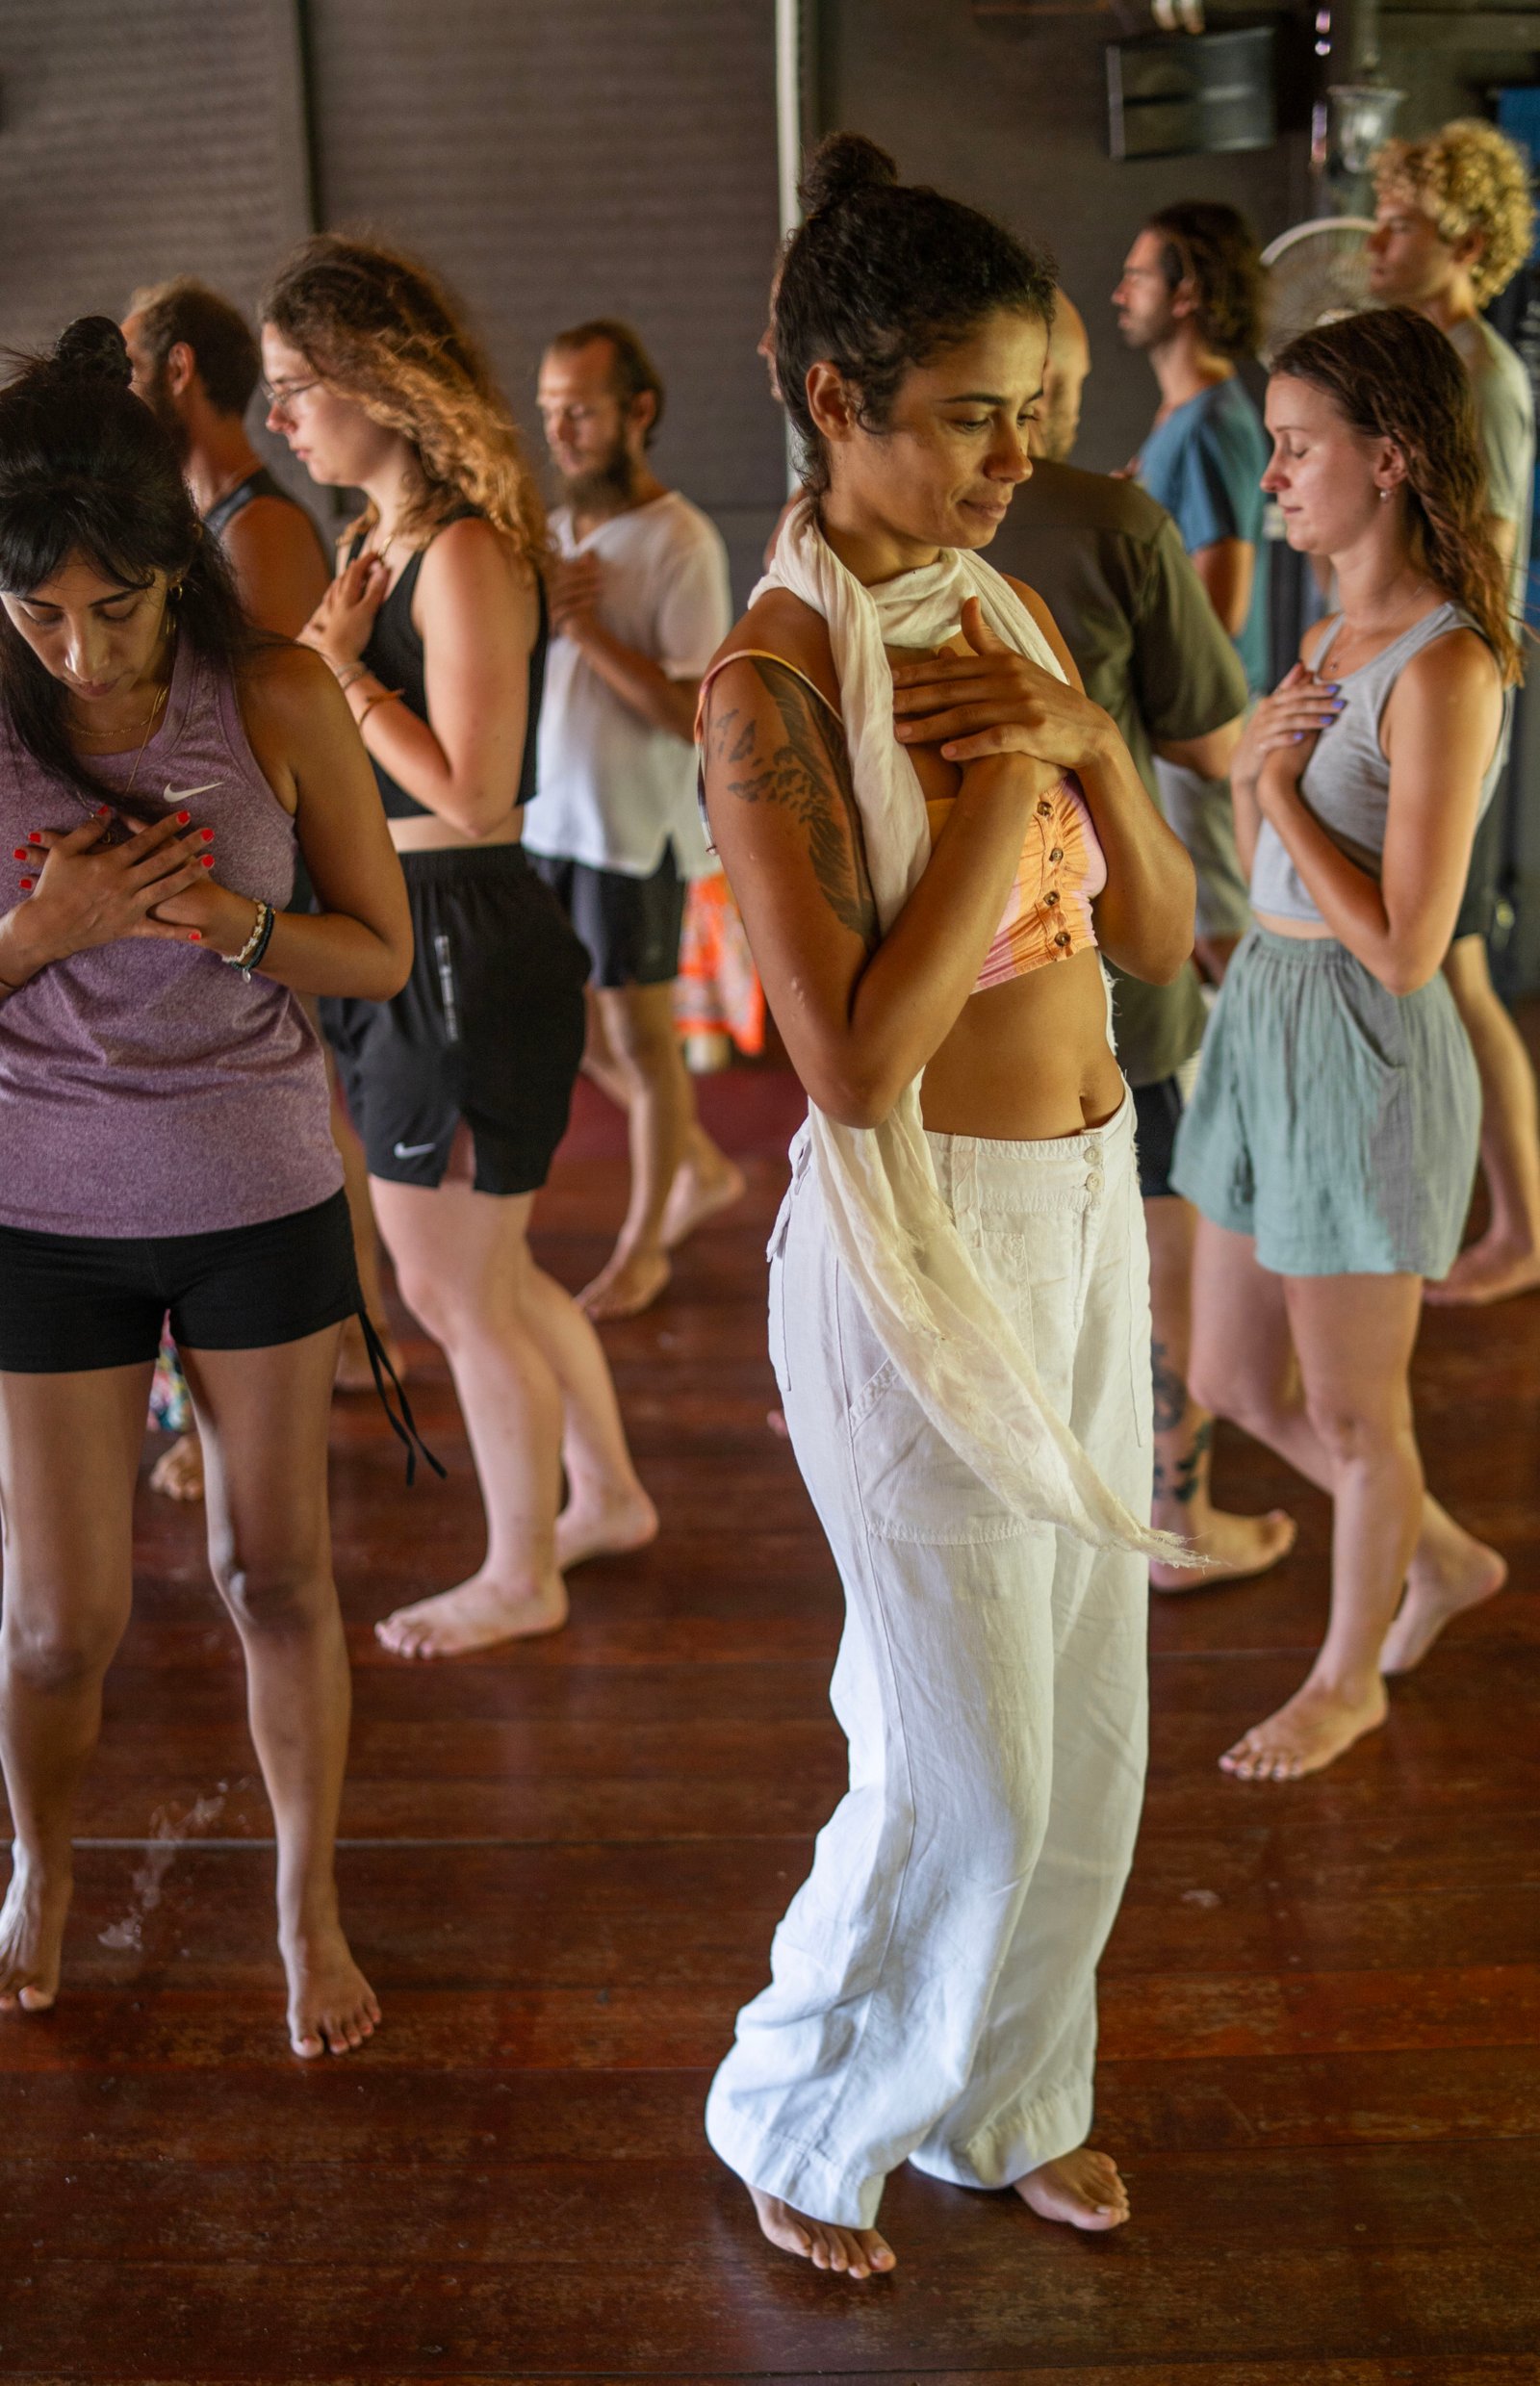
x=284 y=393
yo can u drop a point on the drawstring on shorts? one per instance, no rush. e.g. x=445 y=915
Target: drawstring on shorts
x=404 y=1426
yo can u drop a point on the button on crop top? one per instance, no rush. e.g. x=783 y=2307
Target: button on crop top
x=395 y=655
x=1047 y=916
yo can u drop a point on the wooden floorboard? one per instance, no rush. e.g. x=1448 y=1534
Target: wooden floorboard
x=1321 y=2015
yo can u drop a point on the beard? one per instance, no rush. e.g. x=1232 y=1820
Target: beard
x=158 y=399
x=603 y=486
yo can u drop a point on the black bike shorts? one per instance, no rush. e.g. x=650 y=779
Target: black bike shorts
x=70 y=1303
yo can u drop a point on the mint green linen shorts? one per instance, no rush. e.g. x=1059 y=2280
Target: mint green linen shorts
x=1333 y=1121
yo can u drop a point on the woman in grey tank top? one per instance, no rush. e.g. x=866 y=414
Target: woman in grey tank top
x=1331 y=1145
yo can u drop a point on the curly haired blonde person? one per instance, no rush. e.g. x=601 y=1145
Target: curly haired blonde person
x=1473 y=184
x=1453 y=223
x=436 y=627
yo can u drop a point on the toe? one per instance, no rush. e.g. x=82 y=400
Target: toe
x=37 y=2000
x=307 y=2045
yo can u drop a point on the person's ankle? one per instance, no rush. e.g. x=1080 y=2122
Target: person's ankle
x=1349 y=1683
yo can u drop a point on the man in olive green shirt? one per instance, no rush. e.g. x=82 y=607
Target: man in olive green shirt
x=1111 y=566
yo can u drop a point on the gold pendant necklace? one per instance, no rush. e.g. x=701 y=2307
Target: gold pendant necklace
x=155 y=712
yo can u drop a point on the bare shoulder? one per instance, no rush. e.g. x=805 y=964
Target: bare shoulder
x=1459 y=663
x=473 y=550
x=1039 y=609
x=276 y=519
x=781 y=625
x=469 y=567
x=286 y=685
x=1446 y=704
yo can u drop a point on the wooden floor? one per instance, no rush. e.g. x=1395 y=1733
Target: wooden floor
x=1321 y=2008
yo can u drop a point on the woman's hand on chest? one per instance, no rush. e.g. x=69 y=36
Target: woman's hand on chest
x=343 y=620
x=991 y=700
x=88 y=886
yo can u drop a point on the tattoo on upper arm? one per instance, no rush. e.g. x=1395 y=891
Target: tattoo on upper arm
x=806 y=771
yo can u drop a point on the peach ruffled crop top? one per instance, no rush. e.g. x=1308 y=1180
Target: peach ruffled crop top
x=1047 y=914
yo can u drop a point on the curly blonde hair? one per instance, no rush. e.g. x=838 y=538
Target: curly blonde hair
x=1467 y=177
x=376 y=326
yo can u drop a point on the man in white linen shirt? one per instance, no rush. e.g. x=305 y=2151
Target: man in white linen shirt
x=639 y=603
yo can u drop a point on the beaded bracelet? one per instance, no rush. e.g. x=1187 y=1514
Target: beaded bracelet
x=255 y=945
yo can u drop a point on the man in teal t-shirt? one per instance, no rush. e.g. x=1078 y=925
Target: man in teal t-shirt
x=1189 y=300
x=1204 y=463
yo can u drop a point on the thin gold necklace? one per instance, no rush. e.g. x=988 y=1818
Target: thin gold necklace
x=155 y=712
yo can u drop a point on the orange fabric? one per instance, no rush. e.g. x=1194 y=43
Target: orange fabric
x=717 y=988
x=1047 y=914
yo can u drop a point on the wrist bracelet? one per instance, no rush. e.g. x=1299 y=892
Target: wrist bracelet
x=264 y=941
x=347 y=675
x=255 y=945
x=385 y=695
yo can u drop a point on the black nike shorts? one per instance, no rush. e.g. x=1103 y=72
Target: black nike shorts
x=488 y=1029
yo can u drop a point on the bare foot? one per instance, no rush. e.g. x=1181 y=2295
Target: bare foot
x=476 y=1615
x=856 y=2252
x=1307 y=1734
x=331 y=2005
x=629 y=1284
x=699 y=1190
x=593 y=1527
x=32 y=1936
x=1237 y=1546
x=354 y=1373
x=1083 y=2189
x=1434 y=1593
x=1489 y=1270
x=178 y=1471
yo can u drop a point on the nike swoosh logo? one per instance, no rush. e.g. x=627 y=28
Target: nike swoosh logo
x=413 y=1151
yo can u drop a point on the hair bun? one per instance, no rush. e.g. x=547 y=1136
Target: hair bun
x=843 y=167
x=91 y=348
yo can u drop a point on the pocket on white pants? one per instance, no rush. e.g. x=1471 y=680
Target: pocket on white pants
x=913 y=1484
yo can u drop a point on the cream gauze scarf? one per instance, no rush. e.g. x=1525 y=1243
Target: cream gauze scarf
x=958 y=1353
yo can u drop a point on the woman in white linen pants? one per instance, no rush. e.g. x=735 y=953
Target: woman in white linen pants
x=959 y=1288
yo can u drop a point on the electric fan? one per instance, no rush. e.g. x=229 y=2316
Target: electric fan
x=1316 y=273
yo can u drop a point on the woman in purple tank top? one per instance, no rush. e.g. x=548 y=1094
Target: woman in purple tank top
x=164 y=1108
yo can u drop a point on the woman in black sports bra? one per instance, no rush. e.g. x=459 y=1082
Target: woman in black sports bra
x=436 y=630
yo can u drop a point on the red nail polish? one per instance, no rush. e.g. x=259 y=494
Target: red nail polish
x=184 y=819
x=207 y=860
x=104 y=811
x=21 y=853
x=194 y=935
x=26 y=885
x=207 y=835
x=33 y=837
